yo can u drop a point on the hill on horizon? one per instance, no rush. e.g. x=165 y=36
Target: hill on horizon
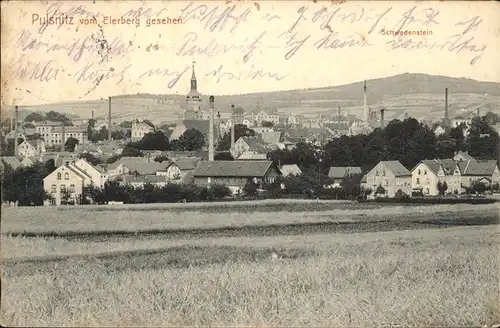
x=416 y=95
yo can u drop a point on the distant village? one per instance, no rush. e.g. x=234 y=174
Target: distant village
x=251 y=146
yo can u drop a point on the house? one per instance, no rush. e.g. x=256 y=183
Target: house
x=140 y=165
x=31 y=148
x=177 y=170
x=463 y=156
x=261 y=130
x=139 y=130
x=28 y=161
x=253 y=144
x=286 y=144
x=290 y=169
x=439 y=130
x=11 y=161
x=425 y=177
x=335 y=130
x=235 y=174
x=338 y=173
x=66 y=177
x=271 y=137
x=97 y=175
x=392 y=176
x=138 y=181
x=479 y=170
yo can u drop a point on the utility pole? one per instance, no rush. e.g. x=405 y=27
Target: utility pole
x=109 y=119
x=16 y=131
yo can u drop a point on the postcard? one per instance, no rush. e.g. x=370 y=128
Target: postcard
x=250 y=163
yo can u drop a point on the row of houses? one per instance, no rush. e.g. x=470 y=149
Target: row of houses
x=458 y=172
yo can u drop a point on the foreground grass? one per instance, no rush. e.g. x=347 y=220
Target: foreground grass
x=52 y=219
x=413 y=278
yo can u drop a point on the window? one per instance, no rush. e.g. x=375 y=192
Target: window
x=425 y=172
x=66 y=176
x=59 y=176
x=54 y=188
x=383 y=173
x=419 y=172
x=418 y=180
x=386 y=182
x=63 y=187
x=72 y=188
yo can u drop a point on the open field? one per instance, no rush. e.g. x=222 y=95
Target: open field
x=67 y=221
x=443 y=277
x=344 y=264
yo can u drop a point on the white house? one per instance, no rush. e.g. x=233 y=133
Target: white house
x=426 y=175
x=177 y=170
x=31 y=148
x=392 y=176
x=66 y=177
x=139 y=130
x=290 y=169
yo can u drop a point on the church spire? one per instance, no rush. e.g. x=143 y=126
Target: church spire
x=193 y=80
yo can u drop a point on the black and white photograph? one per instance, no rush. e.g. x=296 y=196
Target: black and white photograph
x=250 y=163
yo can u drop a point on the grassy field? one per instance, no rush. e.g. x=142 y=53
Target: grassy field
x=426 y=277
x=164 y=217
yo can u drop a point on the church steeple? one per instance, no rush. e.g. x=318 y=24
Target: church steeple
x=193 y=80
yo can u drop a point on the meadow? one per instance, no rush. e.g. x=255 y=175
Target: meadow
x=414 y=275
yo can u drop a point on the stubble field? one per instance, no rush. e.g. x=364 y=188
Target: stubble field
x=315 y=264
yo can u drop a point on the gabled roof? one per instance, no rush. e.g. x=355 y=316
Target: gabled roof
x=433 y=165
x=337 y=126
x=337 y=172
x=78 y=171
x=478 y=168
x=397 y=168
x=127 y=160
x=248 y=169
x=200 y=125
x=145 y=167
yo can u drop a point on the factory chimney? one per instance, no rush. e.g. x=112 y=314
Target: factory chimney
x=211 y=131
x=109 y=119
x=16 y=131
x=478 y=112
x=339 y=113
x=382 y=118
x=63 y=137
x=446 y=118
x=217 y=137
x=233 y=123
x=92 y=115
x=365 y=105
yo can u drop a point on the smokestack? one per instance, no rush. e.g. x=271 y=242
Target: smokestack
x=382 y=118
x=63 y=136
x=339 y=113
x=16 y=131
x=365 y=105
x=233 y=123
x=478 y=112
x=211 y=131
x=218 y=127
x=92 y=115
x=446 y=106
x=109 y=119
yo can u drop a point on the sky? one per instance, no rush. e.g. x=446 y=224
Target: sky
x=55 y=52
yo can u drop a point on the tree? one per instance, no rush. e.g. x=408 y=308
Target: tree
x=126 y=124
x=442 y=187
x=161 y=159
x=153 y=141
x=492 y=118
x=66 y=197
x=191 y=139
x=380 y=190
x=478 y=187
x=35 y=117
x=131 y=151
x=483 y=140
x=266 y=124
x=148 y=122
x=71 y=144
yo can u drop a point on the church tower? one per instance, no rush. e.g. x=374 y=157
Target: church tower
x=193 y=98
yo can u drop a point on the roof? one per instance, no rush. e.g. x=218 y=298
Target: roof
x=343 y=171
x=363 y=179
x=144 y=178
x=397 y=168
x=238 y=110
x=12 y=161
x=127 y=160
x=232 y=169
x=465 y=155
x=478 y=168
x=291 y=169
x=200 y=125
x=141 y=165
x=257 y=144
x=271 y=137
x=337 y=126
x=433 y=165
x=184 y=164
